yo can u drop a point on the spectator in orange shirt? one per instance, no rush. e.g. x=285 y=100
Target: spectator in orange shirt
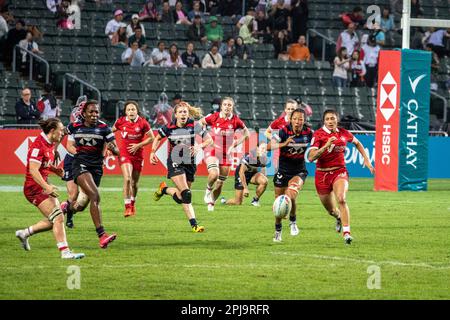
x=299 y=51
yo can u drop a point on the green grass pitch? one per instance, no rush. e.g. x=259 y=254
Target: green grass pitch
x=401 y=239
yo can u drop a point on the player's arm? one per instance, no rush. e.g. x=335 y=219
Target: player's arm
x=112 y=146
x=242 y=171
x=133 y=147
x=155 y=145
x=275 y=143
x=70 y=146
x=359 y=146
x=268 y=133
x=37 y=177
x=315 y=153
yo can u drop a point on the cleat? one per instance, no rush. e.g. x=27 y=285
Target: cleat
x=348 y=239
x=67 y=254
x=198 y=229
x=23 y=239
x=338 y=225
x=128 y=212
x=133 y=209
x=106 y=239
x=277 y=236
x=207 y=198
x=158 y=194
x=294 y=229
x=210 y=206
x=223 y=200
x=255 y=203
x=65 y=206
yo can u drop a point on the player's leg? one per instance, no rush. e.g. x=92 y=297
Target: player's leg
x=224 y=171
x=86 y=182
x=127 y=169
x=294 y=186
x=340 y=188
x=68 y=206
x=212 y=164
x=261 y=182
x=135 y=176
x=324 y=188
x=238 y=198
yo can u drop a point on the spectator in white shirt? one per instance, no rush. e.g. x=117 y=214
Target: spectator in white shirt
x=371 y=51
x=52 y=5
x=160 y=55
x=114 y=24
x=341 y=67
x=212 y=59
x=133 y=56
x=133 y=24
x=3 y=26
x=75 y=17
x=29 y=44
x=174 y=60
x=348 y=39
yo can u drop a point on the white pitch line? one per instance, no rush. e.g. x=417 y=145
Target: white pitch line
x=393 y=263
x=102 y=189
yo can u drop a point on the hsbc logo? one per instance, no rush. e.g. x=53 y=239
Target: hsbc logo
x=22 y=151
x=388 y=96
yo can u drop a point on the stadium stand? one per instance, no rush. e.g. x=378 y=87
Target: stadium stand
x=260 y=85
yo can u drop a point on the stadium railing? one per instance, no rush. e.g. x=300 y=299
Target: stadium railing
x=32 y=55
x=83 y=83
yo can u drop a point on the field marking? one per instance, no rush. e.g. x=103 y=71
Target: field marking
x=102 y=189
x=386 y=262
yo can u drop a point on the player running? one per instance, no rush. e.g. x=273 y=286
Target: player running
x=247 y=173
x=38 y=191
x=181 y=166
x=77 y=199
x=328 y=148
x=218 y=158
x=292 y=140
x=90 y=136
x=136 y=133
x=283 y=119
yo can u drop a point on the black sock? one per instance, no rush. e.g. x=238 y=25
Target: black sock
x=100 y=231
x=164 y=190
x=193 y=222
x=292 y=218
x=255 y=198
x=278 y=227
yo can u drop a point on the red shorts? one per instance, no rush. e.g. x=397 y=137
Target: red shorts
x=137 y=163
x=224 y=159
x=34 y=194
x=325 y=179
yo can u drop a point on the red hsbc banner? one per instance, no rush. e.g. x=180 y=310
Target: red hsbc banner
x=387 y=121
x=15 y=142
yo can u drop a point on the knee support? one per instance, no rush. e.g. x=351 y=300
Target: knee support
x=212 y=166
x=176 y=199
x=186 y=196
x=52 y=216
x=82 y=199
x=222 y=179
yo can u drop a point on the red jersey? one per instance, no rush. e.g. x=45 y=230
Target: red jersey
x=334 y=155
x=223 y=127
x=132 y=132
x=279 y=122
x=41 y=151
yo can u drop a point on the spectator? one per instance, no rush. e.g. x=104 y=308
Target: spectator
x=230 y=8
x=29 y=44
x=380 y=36
x=196 y=11
x=356 y=17
x=13 y=38
x=286 y=3
x=212 y=59
x=248 y=27
x=197 y=31
x=180 y=15
x=348 y=39
x=167 y=16
x=280 y=42
x=114 y=24
x=3 y=26
x=358 y=70
x=299 y=16
x=341 y=66
x=174 y=60
x=134 y=56
x=212 y=7
x=134 y=23
x=215 y=105
x=436 y=39
x=47 y=104
x=387 y=20
x=160 y=55
x=119 y=38
x=434 y=59
x=190 y=58
x=26 y=111
x=75 y=16
x=149 y=13
x=53 y=5
x=243 y=51
x=214 y=31
x=299 y=51
x=227 y=49
x=161 y=114
x=281 y=19
x=371 y=51
x=139 y=38
x=63 y=15
x=177 y=98
x=262 y=22
x=416 y=9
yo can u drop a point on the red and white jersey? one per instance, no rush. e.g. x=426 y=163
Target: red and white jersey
x=132 y=132
x=75 y=114
x=41 y=151
x=334 y=155
x=280 y=122
x=224 y=128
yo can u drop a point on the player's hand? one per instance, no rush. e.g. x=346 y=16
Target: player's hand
x=195 y=149
x=153 y=158
x=246 y=192
x=57 y=159
x=369 y=166
x=51 y=190
x=330 y=141
x=132 y=148
x=112 y=147
x=288 y=141
x=58 y=171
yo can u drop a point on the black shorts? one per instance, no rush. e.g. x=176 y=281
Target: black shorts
x=78 y=168
x=281 y=178
x=68 y=175
x=237 y=179
x=179 y=169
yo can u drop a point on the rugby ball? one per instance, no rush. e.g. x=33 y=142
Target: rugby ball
x=282 y=206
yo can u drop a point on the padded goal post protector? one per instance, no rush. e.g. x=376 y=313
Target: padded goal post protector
x=402 y=124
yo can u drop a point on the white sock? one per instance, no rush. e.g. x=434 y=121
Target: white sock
x=346 y=229
x=63 y=246
x=127 y=201
x=132 y=199
x=28 y=231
